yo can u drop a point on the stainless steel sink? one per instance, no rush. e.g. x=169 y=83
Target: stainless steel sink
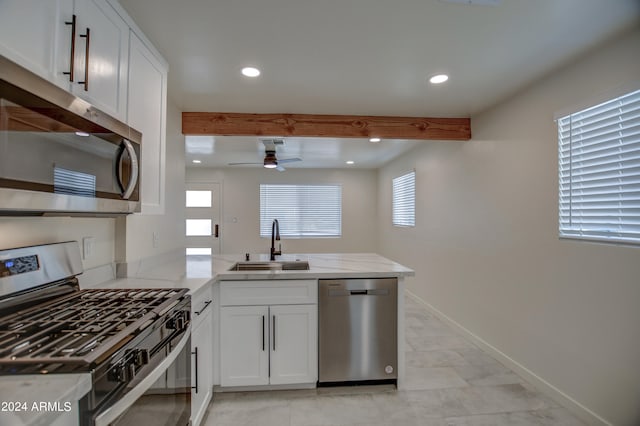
x=297 y=265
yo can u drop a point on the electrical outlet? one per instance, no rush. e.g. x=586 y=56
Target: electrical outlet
x=155 y=237
x=88 y=246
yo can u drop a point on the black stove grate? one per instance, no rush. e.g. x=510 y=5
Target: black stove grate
x=79 y=329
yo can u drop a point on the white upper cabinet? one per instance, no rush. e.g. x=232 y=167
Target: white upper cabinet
x=38 y=34
x=147 y=110
x=94 y=50
x=101 y=77
x=53 y=37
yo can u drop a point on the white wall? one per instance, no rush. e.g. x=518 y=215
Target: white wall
x=487 y=254
x=241 y=200
x=19 y=232
x=137 y=243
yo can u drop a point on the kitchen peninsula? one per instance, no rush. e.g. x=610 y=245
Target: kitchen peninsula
x=234 y=314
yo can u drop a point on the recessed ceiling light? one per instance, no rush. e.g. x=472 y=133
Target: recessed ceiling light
x=440 y=78
x=250 y=72
x=83 y=134
x=475 y=2
x=374 y=140
x=196 y=161
x=351 y=162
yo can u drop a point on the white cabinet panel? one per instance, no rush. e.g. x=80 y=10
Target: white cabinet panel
x=244 y=345
x=108 y=46
x=294 y=344
x=268 y=292
x=39 y=35
x=147 y=110
x=201 y=368
x=34 y=35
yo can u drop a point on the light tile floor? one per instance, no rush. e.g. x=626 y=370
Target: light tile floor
x=449 y=382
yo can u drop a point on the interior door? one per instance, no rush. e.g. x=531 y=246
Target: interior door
x=203 y=218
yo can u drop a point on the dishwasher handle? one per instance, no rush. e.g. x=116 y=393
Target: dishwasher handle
x=359 y=292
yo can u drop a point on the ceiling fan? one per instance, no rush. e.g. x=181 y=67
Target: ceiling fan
x=270 y=159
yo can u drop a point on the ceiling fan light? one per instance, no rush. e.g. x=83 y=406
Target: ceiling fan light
x=270 y=165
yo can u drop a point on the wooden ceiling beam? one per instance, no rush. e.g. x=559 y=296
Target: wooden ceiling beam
x=331 y=126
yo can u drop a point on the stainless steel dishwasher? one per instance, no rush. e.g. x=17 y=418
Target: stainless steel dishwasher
x=358 y=324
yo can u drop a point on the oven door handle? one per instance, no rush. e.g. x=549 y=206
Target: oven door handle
x=123 y=404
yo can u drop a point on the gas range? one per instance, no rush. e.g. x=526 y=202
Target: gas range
x=48 y=325
x=75 y=333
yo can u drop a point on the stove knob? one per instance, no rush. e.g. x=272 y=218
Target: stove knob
x=178 y=321
x=122 y=373
x=141 y=357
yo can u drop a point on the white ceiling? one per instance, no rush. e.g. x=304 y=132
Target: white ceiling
x=218 y=151
x=365 y=57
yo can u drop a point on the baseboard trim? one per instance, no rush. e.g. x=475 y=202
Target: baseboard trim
x=536 y=381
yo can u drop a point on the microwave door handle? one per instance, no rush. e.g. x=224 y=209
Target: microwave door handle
x=135 y=169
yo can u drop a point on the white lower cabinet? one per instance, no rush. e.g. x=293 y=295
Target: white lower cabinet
x=244 y=345
x=201 y=369
x=272 y=344
x=293 y=347
x=201 y=354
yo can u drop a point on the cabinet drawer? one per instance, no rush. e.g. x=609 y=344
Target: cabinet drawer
x=268 y=292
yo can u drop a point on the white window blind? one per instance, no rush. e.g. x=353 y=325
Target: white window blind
x=71 y=182
x=404 y=200
x=599 y=171
x=303 y=211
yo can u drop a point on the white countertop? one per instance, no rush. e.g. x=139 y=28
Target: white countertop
x=193 y=272
x=36 y=400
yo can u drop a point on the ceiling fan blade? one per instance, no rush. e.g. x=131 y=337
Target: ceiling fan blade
x=242 y=164
x=280 y=169
x=289 y=160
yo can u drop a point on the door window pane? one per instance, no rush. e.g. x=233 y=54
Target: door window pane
x=198 y=250
x=198 y=227
x=199 y=199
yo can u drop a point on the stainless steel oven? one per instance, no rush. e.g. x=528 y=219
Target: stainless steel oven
x=60 y=154
x=158 y=394
x=135 y=343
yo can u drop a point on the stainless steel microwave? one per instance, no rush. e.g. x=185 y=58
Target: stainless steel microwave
x=61 y=155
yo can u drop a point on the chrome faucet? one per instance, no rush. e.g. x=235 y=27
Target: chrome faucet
x=275 y=235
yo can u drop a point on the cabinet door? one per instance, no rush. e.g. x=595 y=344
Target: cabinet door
x=201 y=369
x=33 y=34
x=147 y=110
x=104 y=82
x=244 y=345
x=294 y=344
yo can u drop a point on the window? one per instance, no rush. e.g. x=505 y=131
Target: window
x=198 y=198
x=404 y=200
x=303 y=211
x=599 y=171
x=71 y=182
